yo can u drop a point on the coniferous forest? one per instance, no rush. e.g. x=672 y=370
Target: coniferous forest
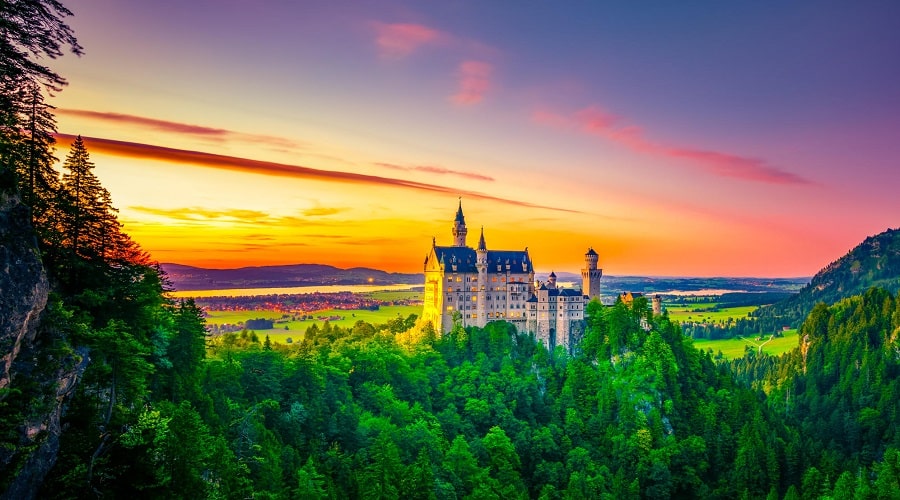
x=118 y=391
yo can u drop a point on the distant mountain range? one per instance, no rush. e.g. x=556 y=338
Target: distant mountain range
x=186 y=278
x=874 y=262
x=659 y=284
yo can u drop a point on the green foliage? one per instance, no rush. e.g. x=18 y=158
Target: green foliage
x=873 y=263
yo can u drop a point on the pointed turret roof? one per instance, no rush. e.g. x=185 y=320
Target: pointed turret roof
x=481 y=244
x=459 y=214
x=552 y=274
x=591 y=251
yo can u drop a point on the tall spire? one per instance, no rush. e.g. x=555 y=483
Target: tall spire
x=481 y=244
x=459 y=227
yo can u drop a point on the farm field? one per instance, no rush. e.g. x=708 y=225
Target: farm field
x=734 y=348
x=295 y=329
x=690 y=312
x=395 y=295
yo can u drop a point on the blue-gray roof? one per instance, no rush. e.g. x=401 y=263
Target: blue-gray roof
x=465 y=258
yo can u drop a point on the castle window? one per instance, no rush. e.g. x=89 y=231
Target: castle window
x=494 y=279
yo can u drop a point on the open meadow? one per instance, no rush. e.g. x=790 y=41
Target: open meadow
x=734 y=348
x=294 y=329
x=702 y=313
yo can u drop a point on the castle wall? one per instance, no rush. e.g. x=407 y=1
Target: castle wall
x=497 y=296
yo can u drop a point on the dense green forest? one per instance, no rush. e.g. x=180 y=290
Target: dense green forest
x=119 y=391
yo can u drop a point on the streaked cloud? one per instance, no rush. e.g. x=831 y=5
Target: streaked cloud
x=438 y=170
x=253 y=218
x=232 y=163
x=399 y=40
x=322 y=211
x=474 y=82
x=598 y=122
x=197 y=214
x=209 y=133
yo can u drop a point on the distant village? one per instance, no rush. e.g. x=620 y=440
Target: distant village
x=294 y=307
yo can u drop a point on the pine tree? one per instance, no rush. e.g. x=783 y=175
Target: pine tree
x=31 y=30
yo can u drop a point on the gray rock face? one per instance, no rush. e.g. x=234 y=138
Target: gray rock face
x=23 y=283
x=27 y=357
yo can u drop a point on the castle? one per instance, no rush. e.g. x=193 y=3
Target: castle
x=484 y=285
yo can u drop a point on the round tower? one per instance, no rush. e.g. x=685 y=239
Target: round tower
x=481 y=265
x=459 y=228
x=590 y=275
x=551 y=281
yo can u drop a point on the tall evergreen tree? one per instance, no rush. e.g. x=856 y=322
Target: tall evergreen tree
x=30 y=30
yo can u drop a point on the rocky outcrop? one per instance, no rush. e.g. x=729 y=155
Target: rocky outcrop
x=41 y=433
x=38 y=370
x=23 y=283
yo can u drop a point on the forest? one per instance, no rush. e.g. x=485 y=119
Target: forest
x=121 y=392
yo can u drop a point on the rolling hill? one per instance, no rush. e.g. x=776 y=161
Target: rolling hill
x=873 y=263
x=196 y=278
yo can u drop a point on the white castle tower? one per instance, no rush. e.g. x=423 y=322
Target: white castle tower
x=459 y=228
x=590 y=275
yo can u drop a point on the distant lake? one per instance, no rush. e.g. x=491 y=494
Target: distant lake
x=292 y=290
x=690 y=293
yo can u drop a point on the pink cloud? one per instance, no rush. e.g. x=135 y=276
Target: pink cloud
x=474 y=82
x=399 y=40
x=594 y=120
x=237 y=164
x=211 y=133
x=438 y=170
x=598 y=122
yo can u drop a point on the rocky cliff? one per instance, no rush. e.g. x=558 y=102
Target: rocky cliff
x=23 y=283
x=38 y=371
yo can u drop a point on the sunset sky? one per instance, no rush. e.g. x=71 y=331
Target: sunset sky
x=676 y=138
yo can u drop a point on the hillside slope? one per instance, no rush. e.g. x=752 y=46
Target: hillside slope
x=874 y=262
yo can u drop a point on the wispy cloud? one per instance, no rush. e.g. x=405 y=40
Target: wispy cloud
x=232 y=163
x=474 y=82
x=199 y=214
x=474 y=75
x=209 y=133
x=438 y=170
x=399 y=40
x=322 y=211
x=253 y=218
x=598 y=122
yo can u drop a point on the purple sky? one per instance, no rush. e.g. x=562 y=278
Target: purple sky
x=703 y=138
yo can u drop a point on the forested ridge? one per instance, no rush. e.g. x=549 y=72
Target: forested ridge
x=120 y=392
x=873 y=263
